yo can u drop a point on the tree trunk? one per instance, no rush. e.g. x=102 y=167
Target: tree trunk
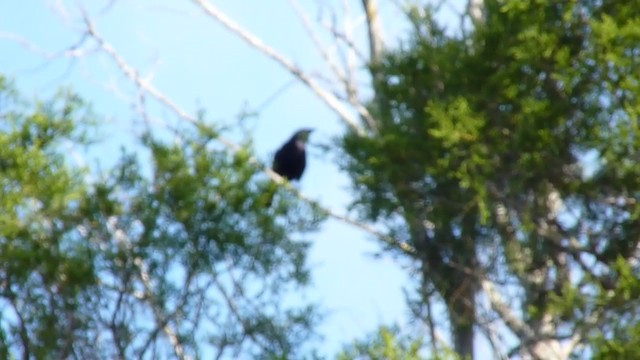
x=460 y=298
x=450 y=266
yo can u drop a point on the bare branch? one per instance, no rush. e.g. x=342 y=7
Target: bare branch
x=373 y=30
x=234 y=309
x=522 y=330
x=352 y=50
x=73 y=51
x=113 y=325
x=339 y=74
x=492 y=335
x=351 y=70
x=22 y=324
x=349 y=61
x=547 y=348
x=256 y=43
x=431 y=325
x=343 y=38
x=475 y=9
x=263 y=105
x=161 y=318
x=347 y=80
x=404 y=247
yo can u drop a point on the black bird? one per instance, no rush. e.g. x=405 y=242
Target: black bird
x=290 y=160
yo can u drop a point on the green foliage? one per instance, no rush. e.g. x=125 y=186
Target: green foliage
x=622 y=344
x=478 y=159
x=210 y=197
x=389 y=343
x=385 y=344
x=201 y=214
x=47 y=266
x=101 y=268
x=617 y=337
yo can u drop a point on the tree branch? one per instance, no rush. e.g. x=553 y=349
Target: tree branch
x=339 y=74
x=543 y=348
x=517 y=326
x=22 y=325
x=162 y=320
x=256 y=43
x=373 y=30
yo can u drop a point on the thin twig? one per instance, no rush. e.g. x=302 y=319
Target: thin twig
x=431 y=325
x=74 y=51
x=133 y=75
x=234 y=309
x=347 y=80
x=322 y=50
x=22 y=324
x=271 y=98
x=161 y=318
x=492 y=336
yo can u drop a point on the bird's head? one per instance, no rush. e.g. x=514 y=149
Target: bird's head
x=302 y=135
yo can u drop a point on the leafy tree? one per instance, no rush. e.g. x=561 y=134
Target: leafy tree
x=386 y=343
x=173 y=259
x=505 y=159
x=47 y=270
x=501 y=160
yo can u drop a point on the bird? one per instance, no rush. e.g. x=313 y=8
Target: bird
x=290 y=159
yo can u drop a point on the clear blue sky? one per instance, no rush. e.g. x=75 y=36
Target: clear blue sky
x=197 y=63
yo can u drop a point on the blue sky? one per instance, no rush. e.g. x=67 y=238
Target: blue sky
x=197 y=63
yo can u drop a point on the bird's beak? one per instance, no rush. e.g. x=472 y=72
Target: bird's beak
x=305 y=134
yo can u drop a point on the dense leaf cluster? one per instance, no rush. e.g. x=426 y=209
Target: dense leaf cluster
x=509 y=153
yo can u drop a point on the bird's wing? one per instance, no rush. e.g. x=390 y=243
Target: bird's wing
x=278 y=160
